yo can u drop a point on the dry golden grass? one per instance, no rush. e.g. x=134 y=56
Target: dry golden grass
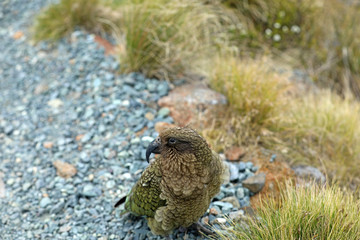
x=60 y=19
x=165 y=39
x=252 y=89
x=255 y=98
x=322 y=130
x=310 y=212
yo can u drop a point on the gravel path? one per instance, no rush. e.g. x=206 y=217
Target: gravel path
x=66 y=103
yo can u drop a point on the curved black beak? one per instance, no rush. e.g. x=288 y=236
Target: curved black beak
x=154 y=147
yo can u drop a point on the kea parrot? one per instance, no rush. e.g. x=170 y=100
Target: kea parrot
x=176 y=189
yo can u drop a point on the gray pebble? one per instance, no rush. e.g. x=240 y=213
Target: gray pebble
x=255 y=183
x=273 y=158
x=254 y=169
x=26 y=186
x=244 y=203
x=84 y=157
x=10 y=181
x=228 y=191
x=110 y=184
x=57 y=207
x=223 y=205
x=234 y=172
x=97 y=83
x=249 y=173
x=220 y=195
x=241 y=166
x=90 y=191
x=240 y=193
x=8 y=129
x=249 y=165
x=242 y=176
x=88 y=113
x=39 y=184
x=45 y=202
x=86 y=137
x=163 y=112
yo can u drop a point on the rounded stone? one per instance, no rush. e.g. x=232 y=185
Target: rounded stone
x=44 y=202
x=110 y=184
x=163 y=112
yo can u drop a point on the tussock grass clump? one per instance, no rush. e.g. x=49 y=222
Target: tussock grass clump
x=151 y=35
x=254 y=94
x=164 y=39
x=319 y=128
x=303 y=213
x=228 y=130
x=251 y=88
x=324 y=129
x=60 y=19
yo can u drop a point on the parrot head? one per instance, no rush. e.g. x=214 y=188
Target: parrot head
x=177 y=141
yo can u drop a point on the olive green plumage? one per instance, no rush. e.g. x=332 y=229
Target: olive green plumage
x=176 y=189
x=144 y=197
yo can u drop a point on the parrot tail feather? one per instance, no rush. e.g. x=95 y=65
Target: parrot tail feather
x=121 y=201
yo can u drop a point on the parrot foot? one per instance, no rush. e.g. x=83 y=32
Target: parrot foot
x=182 y=229
x=201 y=228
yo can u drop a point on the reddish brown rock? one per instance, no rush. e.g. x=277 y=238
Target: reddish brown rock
x=18 y=35
x=213 y=211
x=109 y=48
x=64 y=169
x=149 y=116
x=234 y=153
x=160 y=126
x=205 y=220
x=48 y=144
x=193 y=104
x=79 y=137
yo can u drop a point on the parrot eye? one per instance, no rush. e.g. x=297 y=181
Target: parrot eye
x=172 y=141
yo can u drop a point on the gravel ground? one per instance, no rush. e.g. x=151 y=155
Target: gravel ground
x=65 y=102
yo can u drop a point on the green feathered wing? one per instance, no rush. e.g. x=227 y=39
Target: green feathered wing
x=144 y=198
